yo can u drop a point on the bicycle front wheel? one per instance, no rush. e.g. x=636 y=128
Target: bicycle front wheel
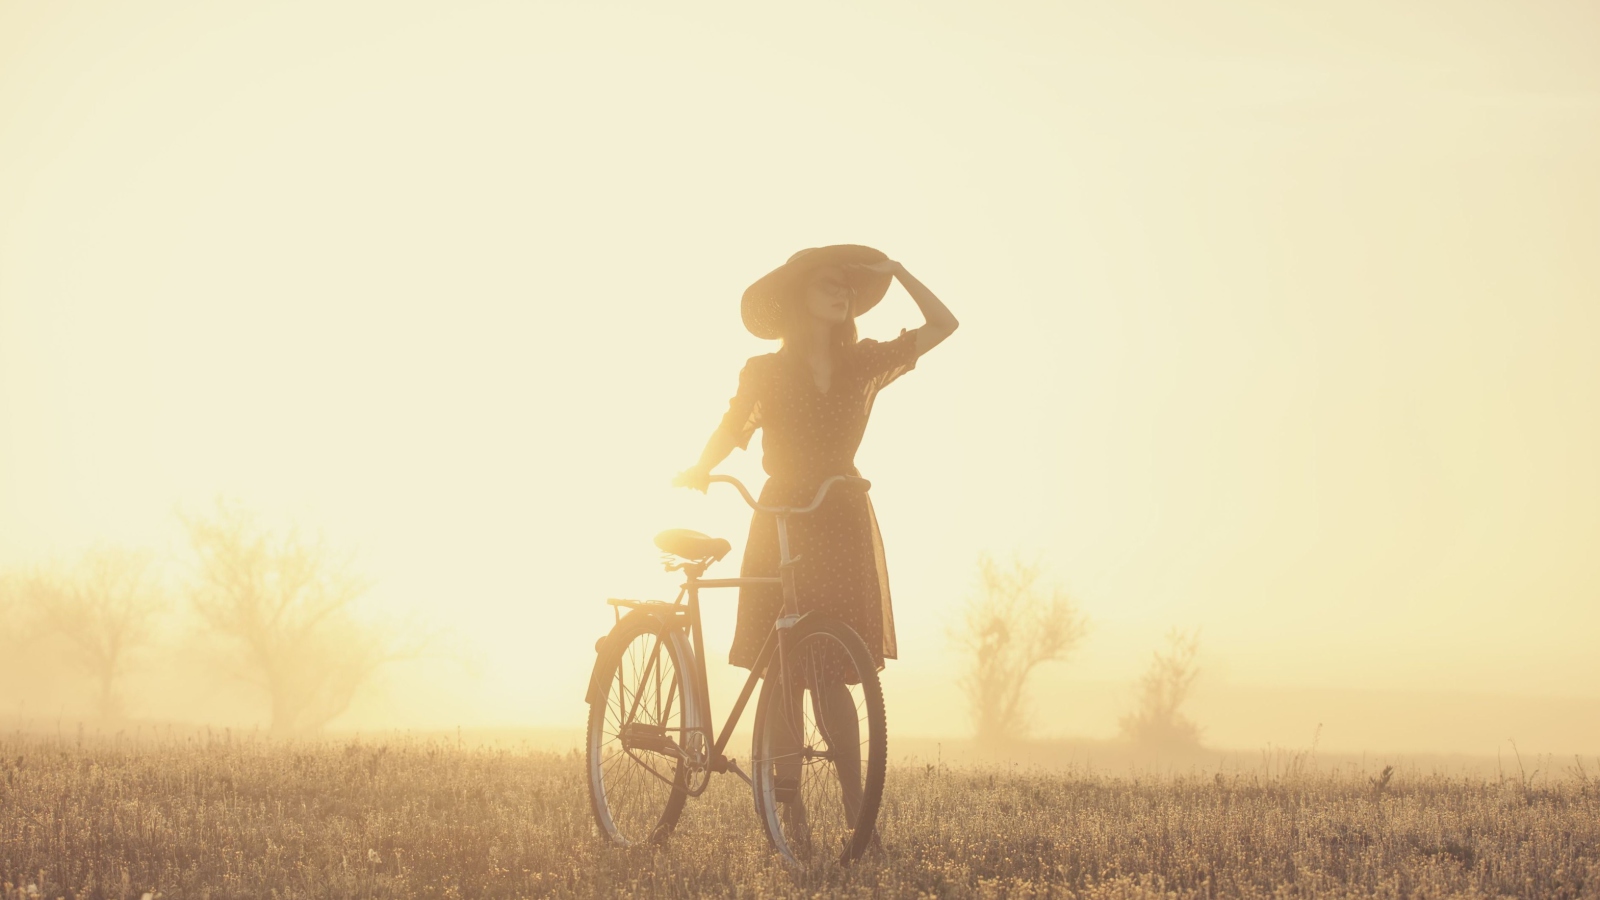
x=644 y=733
x=820 y=745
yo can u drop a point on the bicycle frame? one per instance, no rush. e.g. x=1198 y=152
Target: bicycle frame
x=776 y=640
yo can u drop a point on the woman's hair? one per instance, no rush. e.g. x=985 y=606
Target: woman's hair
x=797 y=321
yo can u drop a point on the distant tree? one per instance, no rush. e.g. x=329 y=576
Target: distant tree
x=1011 y=626
x=286 y=603
x=1157 y=721
x=104 y=606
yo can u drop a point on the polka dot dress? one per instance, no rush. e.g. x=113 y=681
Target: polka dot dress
x=812 y=434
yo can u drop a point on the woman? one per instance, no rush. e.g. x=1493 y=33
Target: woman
x=813 y=398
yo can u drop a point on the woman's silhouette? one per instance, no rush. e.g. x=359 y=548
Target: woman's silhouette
x=813 y=398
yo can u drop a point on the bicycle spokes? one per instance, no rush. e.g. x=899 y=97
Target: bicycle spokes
x=636 y=750
x=812 y=750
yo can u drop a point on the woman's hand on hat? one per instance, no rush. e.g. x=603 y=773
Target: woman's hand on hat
x=885 y=267
x=697 y=477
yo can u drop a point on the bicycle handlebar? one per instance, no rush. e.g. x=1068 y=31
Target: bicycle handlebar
x=853 y=482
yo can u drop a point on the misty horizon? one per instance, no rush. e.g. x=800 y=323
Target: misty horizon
x=1278 y=325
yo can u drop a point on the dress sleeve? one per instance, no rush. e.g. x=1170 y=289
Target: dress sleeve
x=884 y=361
x=744 y=410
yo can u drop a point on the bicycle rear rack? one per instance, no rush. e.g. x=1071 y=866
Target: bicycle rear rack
x=617 y=604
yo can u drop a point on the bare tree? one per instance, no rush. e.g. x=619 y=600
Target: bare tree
x=286 y=602
x=1012 y=625
x=1158 y=722
x=105 y=607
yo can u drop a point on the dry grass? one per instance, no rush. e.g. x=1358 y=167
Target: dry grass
x=224 y=818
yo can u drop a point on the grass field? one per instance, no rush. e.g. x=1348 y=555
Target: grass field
x=231 y=818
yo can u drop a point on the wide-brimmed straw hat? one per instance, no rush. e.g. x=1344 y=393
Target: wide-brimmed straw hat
x=763 y=304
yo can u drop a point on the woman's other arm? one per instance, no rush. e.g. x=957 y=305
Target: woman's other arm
x=738 y=423
x=698 y=476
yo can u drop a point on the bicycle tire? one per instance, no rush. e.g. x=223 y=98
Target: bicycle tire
x=814 y=797
x=627 y=784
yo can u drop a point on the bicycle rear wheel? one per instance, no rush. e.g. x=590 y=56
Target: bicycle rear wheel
x=820 y=745
x=639 y=730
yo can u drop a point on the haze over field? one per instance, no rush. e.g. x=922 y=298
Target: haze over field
x=1282 y=323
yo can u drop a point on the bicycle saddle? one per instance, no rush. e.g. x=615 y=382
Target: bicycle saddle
x=692 y=544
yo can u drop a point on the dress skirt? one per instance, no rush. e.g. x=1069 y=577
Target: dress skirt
x=840 y=570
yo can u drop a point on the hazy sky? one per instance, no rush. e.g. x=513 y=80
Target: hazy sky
x=1279 y=320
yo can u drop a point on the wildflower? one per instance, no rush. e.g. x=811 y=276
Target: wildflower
x=373 y=857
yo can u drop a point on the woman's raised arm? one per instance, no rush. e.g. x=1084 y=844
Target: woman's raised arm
x=938 y=322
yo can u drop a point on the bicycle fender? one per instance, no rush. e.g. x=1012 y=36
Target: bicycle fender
x=802 y=618
x=607 y=651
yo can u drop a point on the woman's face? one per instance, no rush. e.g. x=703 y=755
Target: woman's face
x=828 y=295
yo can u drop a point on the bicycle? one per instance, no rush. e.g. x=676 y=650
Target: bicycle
x=819 y=749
